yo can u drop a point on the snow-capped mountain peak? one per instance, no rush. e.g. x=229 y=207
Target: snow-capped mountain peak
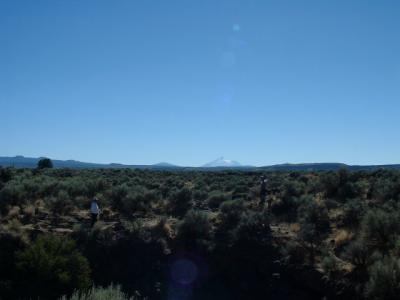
x=221 y=162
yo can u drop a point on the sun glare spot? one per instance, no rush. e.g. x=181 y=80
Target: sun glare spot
x=184 y=271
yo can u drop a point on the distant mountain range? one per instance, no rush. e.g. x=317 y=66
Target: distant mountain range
x=215 y=165
x=326 y=167
x=30 y=162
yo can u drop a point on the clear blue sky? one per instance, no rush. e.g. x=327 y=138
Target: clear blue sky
x=144 y=81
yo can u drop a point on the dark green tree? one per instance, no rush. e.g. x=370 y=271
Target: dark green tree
x=45 y=163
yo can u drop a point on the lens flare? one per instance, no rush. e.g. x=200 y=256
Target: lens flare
x=184 y=271
x=228 y=60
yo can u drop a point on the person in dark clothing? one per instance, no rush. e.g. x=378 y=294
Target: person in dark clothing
x=94 y=210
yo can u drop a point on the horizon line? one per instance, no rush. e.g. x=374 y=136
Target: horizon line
x=200 y=166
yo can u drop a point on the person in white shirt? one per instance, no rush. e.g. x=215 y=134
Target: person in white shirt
x=94 y=210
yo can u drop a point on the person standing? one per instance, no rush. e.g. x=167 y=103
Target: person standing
x=94 y=210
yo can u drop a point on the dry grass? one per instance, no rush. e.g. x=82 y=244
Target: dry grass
x=15 y=228
x=342 y=236
x=319 y=199
x=189 y=184
x=14 y=212
x=294 y=227
x=163 y=228
x=14 y=225
x=40 y=203
x=29 y=211
x=335 y=214
x=106 y=213
x=99 y=225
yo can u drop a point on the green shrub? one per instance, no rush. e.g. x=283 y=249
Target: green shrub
x=11 y=194
x=94 y=187
x=329 y=184
x=52 y=266
x=358 y=253
x=386 y=188
x=347 y=191
x=74 y=186
x=216 y=198
x=331 y=204
x=195 y=225
x=230 y=213
x=293 y=188
x=380 y=228
x=314 y=222
x=362 y=187
x=286 y=207
x=353 y=211
x=330 y=265
x=313 y=214
x=136 y=201
x=253 y=226
x=10 y=244
x=292 y=253
x=180 y=202
x=117 y=194
x=241 y=189
x=61 y=204
x=384 y=279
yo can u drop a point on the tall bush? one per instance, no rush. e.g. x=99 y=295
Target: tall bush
x=52 y=266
